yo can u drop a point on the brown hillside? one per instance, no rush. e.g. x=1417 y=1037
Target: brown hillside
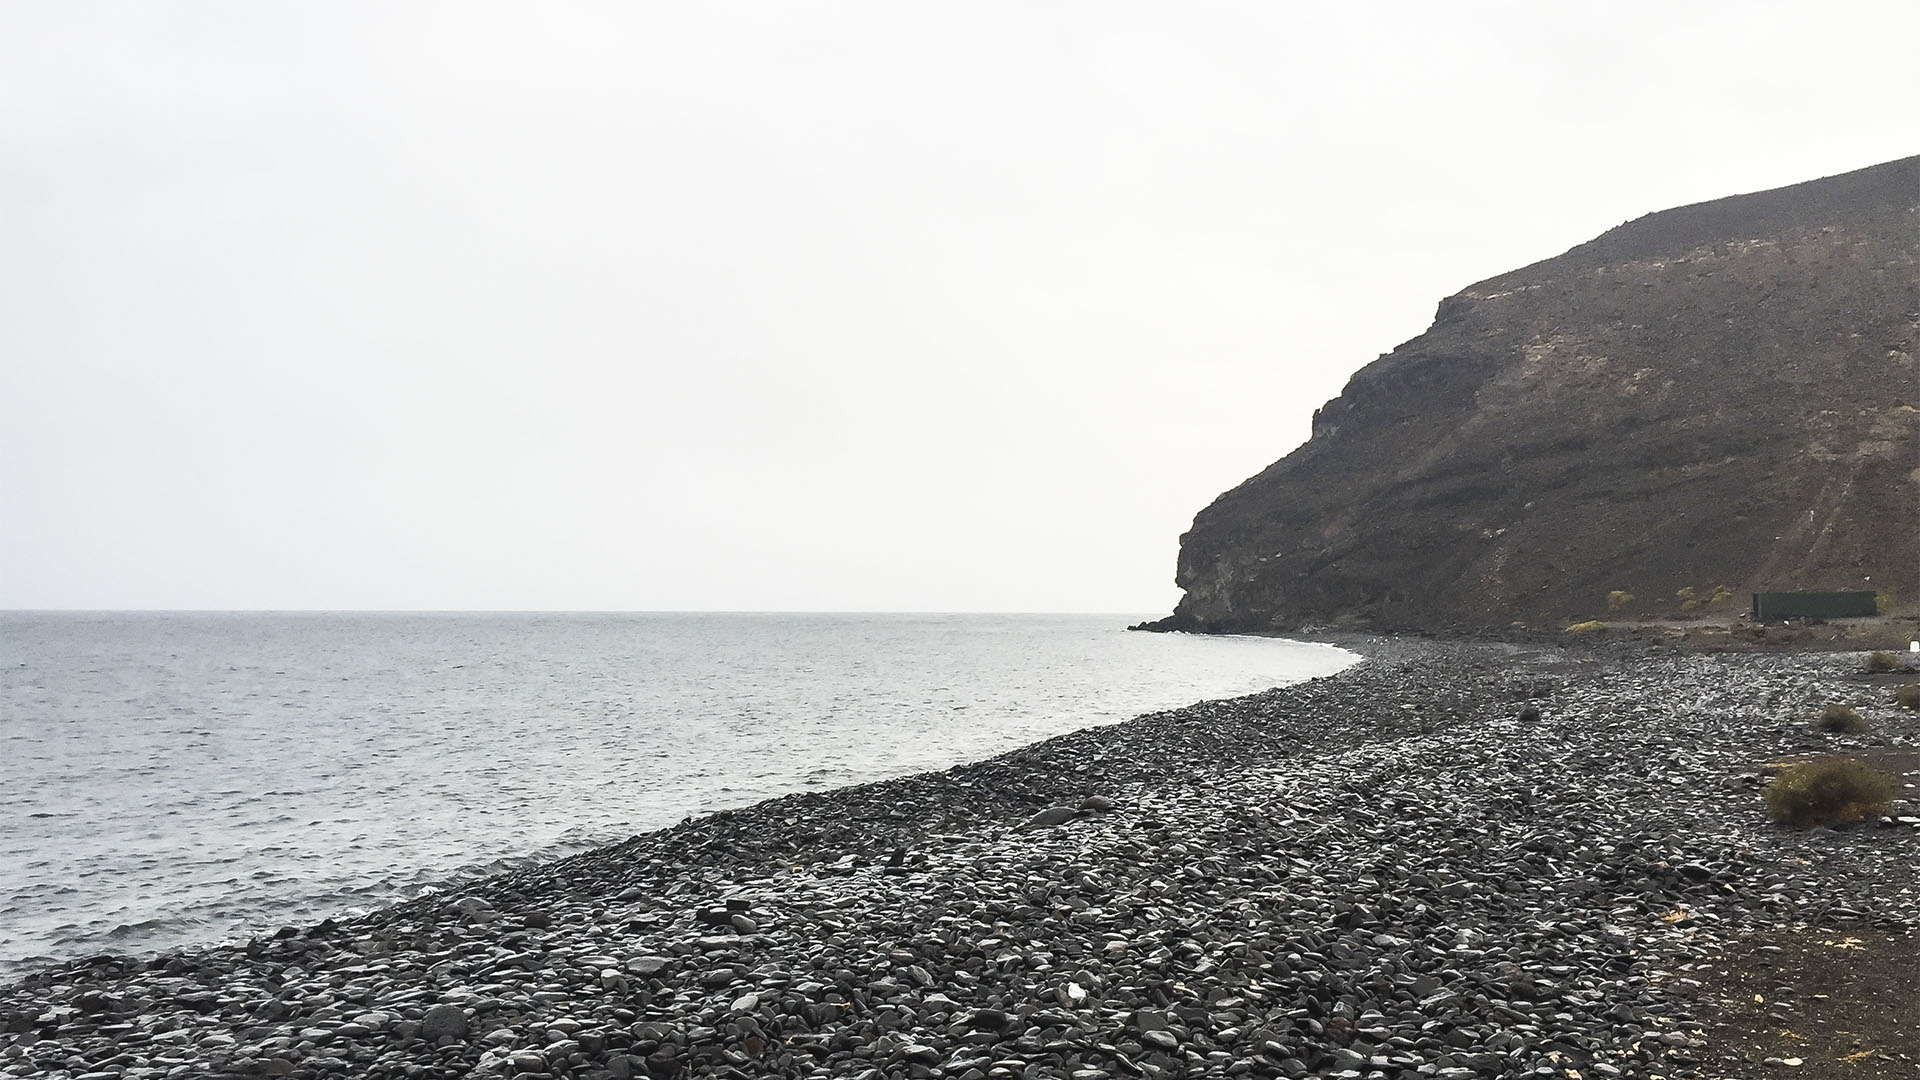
x=1719 y=394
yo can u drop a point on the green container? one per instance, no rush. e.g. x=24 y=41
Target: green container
x=1812 y=605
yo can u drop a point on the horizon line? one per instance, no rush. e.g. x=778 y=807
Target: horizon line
x=542 y=611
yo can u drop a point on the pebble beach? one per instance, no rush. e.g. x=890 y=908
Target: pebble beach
x=1448 y=861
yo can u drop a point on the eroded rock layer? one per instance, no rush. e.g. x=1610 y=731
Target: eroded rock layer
x=1716 y=395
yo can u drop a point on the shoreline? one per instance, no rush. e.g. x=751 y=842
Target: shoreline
x=1711 y=633
x=1386 y=871
x=252 y=788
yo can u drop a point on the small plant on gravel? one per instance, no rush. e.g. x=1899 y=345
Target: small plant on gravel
x=1687 y=597
x=1840 y=716
x=1908 y=697
x=1829 y=791
x=1721 y=594
x=1882 y=661
x=1587 y=627
x=1617 y=600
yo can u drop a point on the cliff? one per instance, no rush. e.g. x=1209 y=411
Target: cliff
x=1716 y=395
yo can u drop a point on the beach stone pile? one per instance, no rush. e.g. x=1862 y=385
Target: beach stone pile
x=1447 y=862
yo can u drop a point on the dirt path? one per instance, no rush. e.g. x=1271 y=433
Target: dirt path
x=1816 y=1005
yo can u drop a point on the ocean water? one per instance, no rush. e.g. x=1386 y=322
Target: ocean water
x=168 y=779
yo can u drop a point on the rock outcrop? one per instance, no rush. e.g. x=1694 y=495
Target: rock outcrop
x=1719 y=395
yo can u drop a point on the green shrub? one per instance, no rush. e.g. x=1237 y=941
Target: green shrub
x=1587 y=627
x=1721 y=594
x=1882 y=603
x=1840 y=716
x=1618 y=599
x=1829 y=791
x=1687 y=597
x=1907 y=697
x=1883 y=661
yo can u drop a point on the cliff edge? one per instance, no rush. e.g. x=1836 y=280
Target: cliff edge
x=1718 y=396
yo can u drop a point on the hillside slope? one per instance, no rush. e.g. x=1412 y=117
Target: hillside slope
x=1716 y=395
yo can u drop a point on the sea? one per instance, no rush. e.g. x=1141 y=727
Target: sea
x=171 y=779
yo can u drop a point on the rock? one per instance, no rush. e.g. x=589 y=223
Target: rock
x=476 y=909
x=1051 y=816
x=988 y=1020
x=648 y=966
x=443 y=1022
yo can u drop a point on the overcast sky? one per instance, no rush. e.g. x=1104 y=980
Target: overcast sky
x=886 y=306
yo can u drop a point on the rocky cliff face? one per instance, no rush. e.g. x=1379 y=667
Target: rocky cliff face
x=1717 y=395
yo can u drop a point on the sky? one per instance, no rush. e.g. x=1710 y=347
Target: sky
x=788 y=306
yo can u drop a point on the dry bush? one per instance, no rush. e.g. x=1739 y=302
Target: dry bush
x=1840 y=716
x=1618 y=599
x=1907 y=697
x=1587 y=627
x=1829 y=791
x=1883 y=661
